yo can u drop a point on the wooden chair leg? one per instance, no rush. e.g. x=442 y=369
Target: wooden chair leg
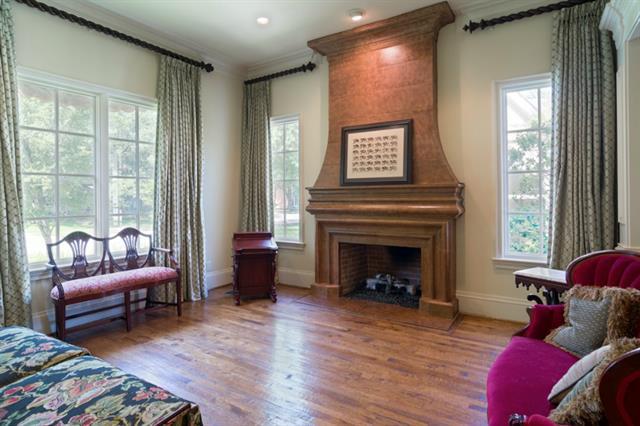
x=61 y=330
x=179 y=296
x=127 y=309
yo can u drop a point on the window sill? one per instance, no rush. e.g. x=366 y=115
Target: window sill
x=515 y=264
x=291 y=245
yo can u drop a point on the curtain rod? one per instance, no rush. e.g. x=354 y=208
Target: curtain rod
x=113 y=33
x=309 y=66
x=472 y=26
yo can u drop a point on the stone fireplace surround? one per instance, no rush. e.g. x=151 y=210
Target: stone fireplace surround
x=386 y=71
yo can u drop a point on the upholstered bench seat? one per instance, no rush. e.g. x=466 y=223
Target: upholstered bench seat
x=103 y=285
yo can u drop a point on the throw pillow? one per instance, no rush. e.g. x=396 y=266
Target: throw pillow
x=582 y=406
x=577 y=371
x=596 y=315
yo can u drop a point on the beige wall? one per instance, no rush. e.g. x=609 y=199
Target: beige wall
x=49 y=44
x=468 y=67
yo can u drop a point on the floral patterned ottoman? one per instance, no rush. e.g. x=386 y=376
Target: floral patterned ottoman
x=87 y=390
x=24 y=352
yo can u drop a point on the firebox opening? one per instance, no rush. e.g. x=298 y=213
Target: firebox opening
x=385 y=274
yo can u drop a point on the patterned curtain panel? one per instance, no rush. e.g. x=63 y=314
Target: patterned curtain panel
x=15 y=297
x=256 y=211
x=178 y=201
x=584 y=138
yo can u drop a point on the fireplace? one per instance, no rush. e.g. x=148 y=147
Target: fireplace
x=380 y=72
x=386 y=274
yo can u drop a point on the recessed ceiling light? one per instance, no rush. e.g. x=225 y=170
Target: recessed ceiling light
x=356 y=14
x=263 y=20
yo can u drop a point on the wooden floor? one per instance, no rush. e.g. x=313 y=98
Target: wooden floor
x=296 y=363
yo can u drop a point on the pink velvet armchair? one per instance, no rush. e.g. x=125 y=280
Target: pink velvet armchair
x=524 y=373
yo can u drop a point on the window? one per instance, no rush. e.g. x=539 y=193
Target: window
x=87 y=162
x=285 y=163
x=525 y=115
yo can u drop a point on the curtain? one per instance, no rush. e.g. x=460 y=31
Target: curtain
x=583 y=216
x=256 y=210
x=178 y=193
x=15 y=297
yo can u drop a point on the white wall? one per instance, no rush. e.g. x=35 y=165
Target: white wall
x=307 y=95
x=468 y=67
x=49 y=44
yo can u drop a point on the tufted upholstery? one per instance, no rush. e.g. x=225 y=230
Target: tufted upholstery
x=606 y=268
x=102 y=285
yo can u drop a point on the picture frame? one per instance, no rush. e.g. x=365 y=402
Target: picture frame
x=376 y=154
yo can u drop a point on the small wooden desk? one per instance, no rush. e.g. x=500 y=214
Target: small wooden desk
x=254 y=265
x=552 y=282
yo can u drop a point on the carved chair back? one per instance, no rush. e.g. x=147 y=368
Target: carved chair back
x=132 y=258
x=77 y=242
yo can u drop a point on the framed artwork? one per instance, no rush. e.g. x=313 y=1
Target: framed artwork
x=375 y=154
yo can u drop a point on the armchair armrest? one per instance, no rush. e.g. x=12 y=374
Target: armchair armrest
x=544 y=318
x=619 y=388
x=169 y=252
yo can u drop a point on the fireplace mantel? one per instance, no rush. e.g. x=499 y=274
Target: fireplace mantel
x=379 y=72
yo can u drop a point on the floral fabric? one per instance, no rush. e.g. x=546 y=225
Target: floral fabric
x=87 y=390
x=24 y=352
x=101 y=285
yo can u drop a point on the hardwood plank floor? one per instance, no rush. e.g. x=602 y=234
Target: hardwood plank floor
x=295 y=363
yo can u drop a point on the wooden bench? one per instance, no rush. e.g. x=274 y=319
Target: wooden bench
x=84 y=280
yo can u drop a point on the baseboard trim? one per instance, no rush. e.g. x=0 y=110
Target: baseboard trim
x=493 y=306
x=296 y=277
x=218 y=278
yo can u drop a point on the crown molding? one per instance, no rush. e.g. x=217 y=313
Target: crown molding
x=166 y=40
x=279 y=63
x=486 y=9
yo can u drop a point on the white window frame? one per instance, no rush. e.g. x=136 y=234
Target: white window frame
x=504 y=259
x=281 y=119
x=103 y=95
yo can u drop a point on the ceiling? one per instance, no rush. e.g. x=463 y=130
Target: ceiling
x=227 y=30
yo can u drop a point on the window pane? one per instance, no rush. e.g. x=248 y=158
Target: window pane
x=522 y=109
x=291 y=165
x=116 y=224
x=277 y=140
x=38 y=151
x=146 y=222
x=545 y=106
x=523 y=151
x=147 y=124
x=76 y=196
x=146 y=195
x=122 y=158
x=37 y=234
x=292 y=231
x=545 y=147
x=279 y=230
x=277 y=166
x=279 y=199
x=122 y=196
x=524 y=234
x=76 y=113
x=122 y=120
x=147 y=159
x=36 y=106
x=39 y=196
x=524 y=193
x=291 y=136
x=292 y=195
x=76 y=154
x=73 y=224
